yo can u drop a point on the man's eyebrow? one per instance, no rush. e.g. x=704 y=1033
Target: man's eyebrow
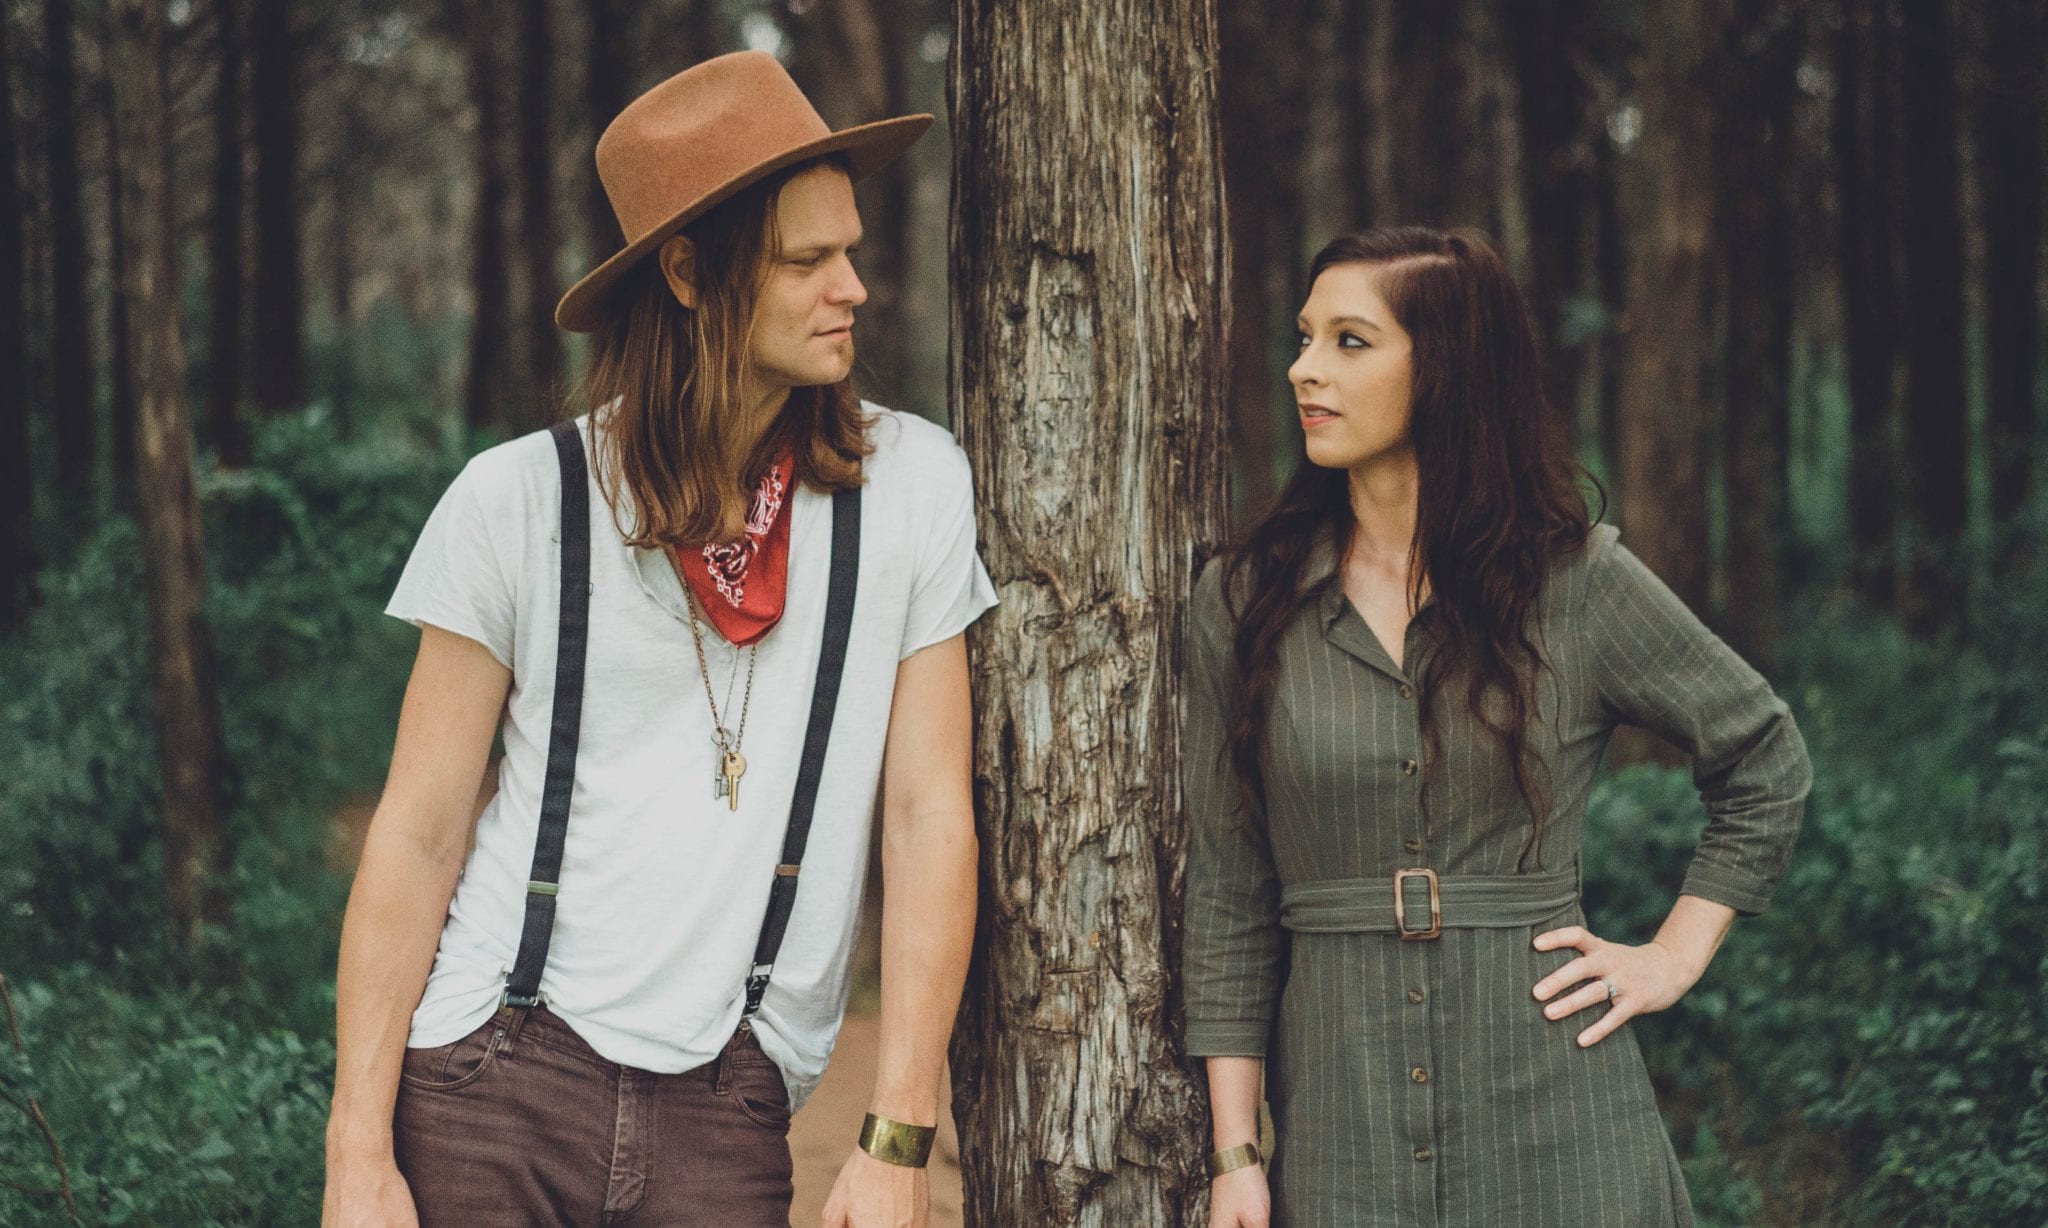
x=818 y=249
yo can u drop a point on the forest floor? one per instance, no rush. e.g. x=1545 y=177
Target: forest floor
x=823 y=1132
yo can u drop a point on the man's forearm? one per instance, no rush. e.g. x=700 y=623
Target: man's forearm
x=928 y=901
x=388 y=938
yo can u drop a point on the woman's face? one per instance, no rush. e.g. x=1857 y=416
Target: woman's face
x=1353 y=381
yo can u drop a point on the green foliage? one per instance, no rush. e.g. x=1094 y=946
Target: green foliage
x=167 y=1111
x=1874 y=1049
x=174 y=1104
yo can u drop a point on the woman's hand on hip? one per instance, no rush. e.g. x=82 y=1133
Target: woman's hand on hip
x=1240 y=1199
x=1630 y=980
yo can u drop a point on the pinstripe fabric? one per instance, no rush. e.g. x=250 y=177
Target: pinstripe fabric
x=1418 y=1083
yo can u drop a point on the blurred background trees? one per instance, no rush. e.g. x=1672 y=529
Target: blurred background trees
x=1787 y=254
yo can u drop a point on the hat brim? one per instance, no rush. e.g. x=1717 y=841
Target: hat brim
x=867 y=147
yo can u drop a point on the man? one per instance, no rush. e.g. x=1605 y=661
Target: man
x=702 y=658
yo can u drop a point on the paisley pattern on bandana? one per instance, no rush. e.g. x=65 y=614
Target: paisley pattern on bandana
x=727 y=562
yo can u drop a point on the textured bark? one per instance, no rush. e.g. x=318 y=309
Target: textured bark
x=280 y=308
x=1087 y=325
x=490 y=286
x=1756 y=166
x=2009 y=101
x=1864 y=137
x=191 y=752
x=1937 y=435
x=224 y=429
x=72 y=410
x=1668 y=355
x=17 y=505
x=543 y=344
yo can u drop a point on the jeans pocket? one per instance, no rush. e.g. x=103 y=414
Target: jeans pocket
x=758 y=1089
x=445 y=1068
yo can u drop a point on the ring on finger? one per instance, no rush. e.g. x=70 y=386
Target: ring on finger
x=1612 y=992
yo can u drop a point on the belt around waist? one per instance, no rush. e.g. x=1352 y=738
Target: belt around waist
x=1419 y=904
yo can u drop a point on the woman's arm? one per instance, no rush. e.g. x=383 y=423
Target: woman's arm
x=411 y=859
x=1654 y=664
x=929 y=855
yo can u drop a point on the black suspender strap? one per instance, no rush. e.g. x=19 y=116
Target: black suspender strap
x=522 y=988
x=811 y=769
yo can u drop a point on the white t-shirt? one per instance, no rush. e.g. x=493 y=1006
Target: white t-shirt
x=663 y=887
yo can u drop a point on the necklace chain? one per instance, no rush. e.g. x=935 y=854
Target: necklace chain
x=727 y=741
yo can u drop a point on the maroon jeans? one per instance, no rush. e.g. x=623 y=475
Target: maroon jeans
x=521 y=1122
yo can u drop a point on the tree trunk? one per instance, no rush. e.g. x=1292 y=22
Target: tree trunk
x=490 y=324
x=1937 y=437
x=543 y=344
x=1350 y=24
x=2009 y=168
x=121 y=402
x=72 y=408
x=1669 y=355
x=1864 y=136
x=274 y=87
x=1756 y=167
x=1087 y=325
x=191 y=751
x=225 y=430
x=350 y=192
x=1265 y=105
x=17 y=503
x=606 y=79
x=1560 y=125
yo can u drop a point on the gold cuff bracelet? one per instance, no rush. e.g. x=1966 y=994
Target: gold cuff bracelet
x=897 y=1142
x=1230 y=1159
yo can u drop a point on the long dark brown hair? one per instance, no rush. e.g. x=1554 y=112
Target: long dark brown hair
x=1499 y=501
x=665 y=384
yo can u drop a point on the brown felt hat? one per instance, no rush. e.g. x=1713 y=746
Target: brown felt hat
x=699 y=137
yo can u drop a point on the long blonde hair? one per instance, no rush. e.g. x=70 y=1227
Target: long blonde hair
x=665 y=386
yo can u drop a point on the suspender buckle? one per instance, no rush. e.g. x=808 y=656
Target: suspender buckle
x=1436 y=906
x=513 y=1001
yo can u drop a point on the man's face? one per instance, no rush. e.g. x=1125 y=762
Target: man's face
x=803 y=326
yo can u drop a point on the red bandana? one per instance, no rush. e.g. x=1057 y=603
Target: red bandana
x=740 y=586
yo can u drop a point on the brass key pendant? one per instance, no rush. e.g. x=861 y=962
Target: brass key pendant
x=732 y=766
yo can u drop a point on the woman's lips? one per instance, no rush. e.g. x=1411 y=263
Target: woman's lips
x=1316 y=415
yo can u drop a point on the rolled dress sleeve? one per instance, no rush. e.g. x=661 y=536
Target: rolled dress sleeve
x=1656 y=665
x=951 y=588
x=1235 y=949
x=455 y=579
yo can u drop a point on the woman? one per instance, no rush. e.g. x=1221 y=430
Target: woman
x=1405 y=676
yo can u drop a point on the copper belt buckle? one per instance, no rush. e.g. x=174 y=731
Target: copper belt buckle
x=1436 y=906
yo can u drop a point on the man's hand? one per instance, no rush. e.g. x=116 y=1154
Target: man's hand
x=871 y=1194
x=367 y=1195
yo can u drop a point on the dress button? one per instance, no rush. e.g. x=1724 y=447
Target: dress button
x=1415 y=996
x=1407 y=692
x=1419 y=1075
x=1422 y=1153
x=1409 y=767
x=1413 y=846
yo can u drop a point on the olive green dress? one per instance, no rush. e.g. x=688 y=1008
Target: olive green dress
x=1416 y=1082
